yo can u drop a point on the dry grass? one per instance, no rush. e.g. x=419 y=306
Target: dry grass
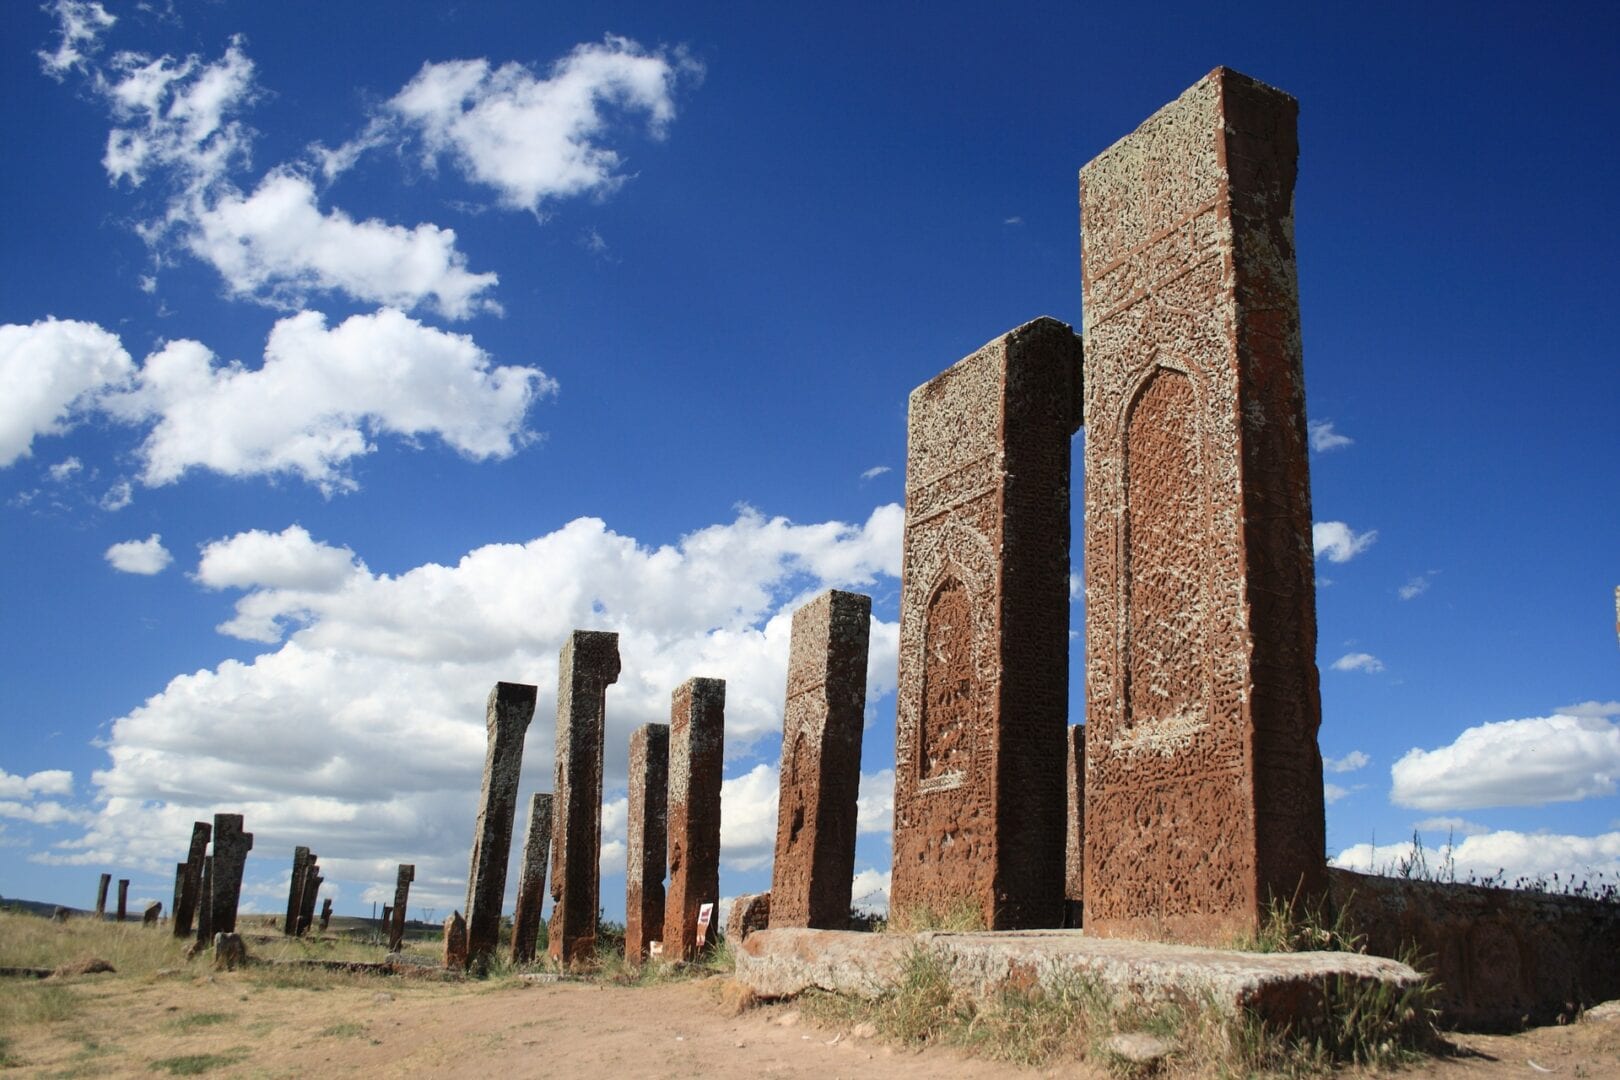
x=959 y=916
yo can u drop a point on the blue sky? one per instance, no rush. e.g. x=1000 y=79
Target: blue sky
x=350 y=358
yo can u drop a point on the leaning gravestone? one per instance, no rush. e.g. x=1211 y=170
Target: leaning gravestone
x=1203 y=780
x=231 y=846
x=185 y=907
x=531 y=890
x=507 y=715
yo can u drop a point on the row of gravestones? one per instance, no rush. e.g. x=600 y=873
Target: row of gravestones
x=1194 y=792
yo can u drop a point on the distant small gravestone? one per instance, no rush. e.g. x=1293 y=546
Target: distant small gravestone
x=230 y=952
x=60 y=914
x=153 y=912
x=455 y=942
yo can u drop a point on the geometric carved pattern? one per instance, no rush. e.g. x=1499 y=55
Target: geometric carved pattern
x=1203 y=780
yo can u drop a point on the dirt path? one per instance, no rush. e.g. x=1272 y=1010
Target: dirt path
x=241 y=1025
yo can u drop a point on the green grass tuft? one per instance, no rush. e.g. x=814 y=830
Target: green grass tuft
x=197 y=1064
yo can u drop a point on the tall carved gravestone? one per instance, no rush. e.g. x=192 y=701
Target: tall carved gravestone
x=185 y=910
x=1074 y=835
x=123 y=899
x=295 y=891
x=313 y=880
x=179 y=891
x=697 y=734
x=231 y=846
x=647 y=836
x=205 y=902
x=402 y=895
x=101 y=895
x=984 y=633
x=326 y=913
x=1203 y=778
x=586 y=667
x=822 y=722
x=507 y=716
x=531 y=891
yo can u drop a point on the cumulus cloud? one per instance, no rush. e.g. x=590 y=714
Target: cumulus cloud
x=320 y=397
x=1525 y=762
x=1324 y=438
x=18 y=798
x=1352 y=761
x=871 y=891
x=277 y=245
x=64 y=470
x=531 y=138
x=1591 y=709
x=118 y=497
x=45 y=782
x=361 y=733
x=1359 y=661
x=1456 y=825
x=79 y=27
x=147 y=556
x=289 y=559
x=1339 y=542
x=51 y=371
x=1505 y=854
x=1332 y=793
x=874 y=806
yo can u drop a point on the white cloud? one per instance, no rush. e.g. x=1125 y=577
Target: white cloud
x=45 y=813
x=45 y=782
x=320 y=397
x=1507 y=854
x=875 y=471
x=874 y=805
x=531 y=139
x=1416 y=586
x=79 y=27
x=118 y=496
x=63 y=471
x=1339 y=542
x=871 y=891
x=1359 y=661
x=1332 y=793
x=147 y=556
x=1526 y=762
x=1352 y=761
x=1324 y=438
x=49 y=372
x=290 y=559
x=362 y=733
x=1591 y=709
x=1452 y=825
x=277 y=245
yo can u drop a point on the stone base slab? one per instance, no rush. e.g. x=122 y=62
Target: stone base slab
x=1280 y=988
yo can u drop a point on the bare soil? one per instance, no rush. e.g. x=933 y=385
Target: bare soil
x=245 y=1024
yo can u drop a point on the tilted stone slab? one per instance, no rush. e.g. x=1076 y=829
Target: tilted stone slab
x=1203 y=778
x=1281 y=988
x=185 y=909
x=295 y=891
x=647 y=834
x=101 y=895
x=531 y=890
x=822 y=723
x=123 y=899
x=587 y=665
x=231 y=847
x=983 y=691
x=506 y=720
x=402 y=895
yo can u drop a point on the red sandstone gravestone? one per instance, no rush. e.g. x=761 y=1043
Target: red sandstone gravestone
x=1074 y=836
x=697 y=731
x=531 y=892
x=506 y=720
x=822 y=722
x=647 y=833
x=984 y=633
x=1203 y=780
x=587 y=666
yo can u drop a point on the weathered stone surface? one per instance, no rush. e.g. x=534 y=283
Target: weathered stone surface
x=1498 y=955
x=531 y=891
x=984 y=632
x=1138 y=1047
x=586 y=667
x=821 y=762
x=123 y=899
x=1074 y=835
x=402 y=895
x=231 y=846
x=205 y=903
x=179 y=891
x=1203 y=778
x=313 y=880
x=647 y=836
x=1278 y=987
x=101 y=895
x=507 y=716
x=455 y=942
x=295 y=890
x=749 y=912
x=697 y=732
x=60 y=914
x=152 y=913
x=326 y=913
x=230 y=952
x=185 y=906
